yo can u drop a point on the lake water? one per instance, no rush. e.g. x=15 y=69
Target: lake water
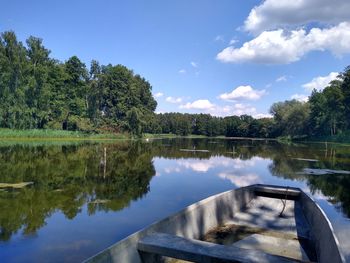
x=87 y=196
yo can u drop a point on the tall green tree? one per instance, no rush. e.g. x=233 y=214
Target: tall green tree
x=291 y=117
x=134 y=121
x=14 y=112
x=344 y=82
x=95 y=93
x=38 y=89
x=335 y=107
x=318 y=115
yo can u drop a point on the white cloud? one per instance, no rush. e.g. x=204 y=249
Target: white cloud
x=222 y=111
x=182 y=71
x=233 y=41
x=273 y=14
x=239 y=164
x=237 y=109
x=219 y=38
x=320 y=82
x=243 y=92
x=170 y=170
x=281 y=78
x=197 y=166
x=158 y=95
x=173 y=100
x=241 y=180
x=282 y=47
x=199 y=105
x=262 y=115
x=214 y=162
x=194 y=64
x=300 y=97
x=241 y=109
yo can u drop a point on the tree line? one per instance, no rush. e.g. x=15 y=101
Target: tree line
x=326 y=113
x=37 y=91
x=207 y=125
x=40 y=92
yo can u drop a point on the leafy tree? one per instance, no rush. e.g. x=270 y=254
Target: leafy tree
x=291 y=117
x=38 y=90
x=134 y=121
x=334 y=107
x=328 y=109
x=232 y=124
x=318 y=116
x=14 y=111
x=344 y=83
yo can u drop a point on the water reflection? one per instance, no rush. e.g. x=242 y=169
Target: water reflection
x=67 y=177
x=241 y=180
x=103 y=178
x=234 y=170
x=323 y=160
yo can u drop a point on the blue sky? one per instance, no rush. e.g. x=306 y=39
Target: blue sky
x=225 y=57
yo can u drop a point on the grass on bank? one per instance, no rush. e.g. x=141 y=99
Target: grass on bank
x=57 y=134
x=34 y=134
x=48 y=134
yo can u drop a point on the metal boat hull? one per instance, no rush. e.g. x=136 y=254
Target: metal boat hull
x=305 y=220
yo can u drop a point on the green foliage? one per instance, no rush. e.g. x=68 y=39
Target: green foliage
x=134 y=121
x=291 y=117
x=329 y=108
x=324 y=116
x=207 y=125
x=37 y=91
x=118 y=173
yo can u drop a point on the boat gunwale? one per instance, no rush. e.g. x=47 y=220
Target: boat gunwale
x=189 y=208
x=329 y=224
x=134 y=237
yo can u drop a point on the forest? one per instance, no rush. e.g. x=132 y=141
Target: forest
x=326 y=114
x=40 y=92
x=37 y=91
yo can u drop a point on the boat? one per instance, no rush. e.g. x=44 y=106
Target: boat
x=256 y=223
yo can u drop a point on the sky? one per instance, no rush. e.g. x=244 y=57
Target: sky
x=227 y=57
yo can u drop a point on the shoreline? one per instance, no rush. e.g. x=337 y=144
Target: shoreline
x=47 y=135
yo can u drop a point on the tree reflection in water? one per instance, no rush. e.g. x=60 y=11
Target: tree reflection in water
x=109 y=176
x=67 y=177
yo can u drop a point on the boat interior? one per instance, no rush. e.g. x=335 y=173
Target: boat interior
x=256 y=223
x=270 y=227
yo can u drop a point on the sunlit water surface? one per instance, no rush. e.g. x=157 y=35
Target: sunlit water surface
x=87 y=196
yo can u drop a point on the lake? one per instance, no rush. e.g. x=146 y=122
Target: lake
x=82 y=197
